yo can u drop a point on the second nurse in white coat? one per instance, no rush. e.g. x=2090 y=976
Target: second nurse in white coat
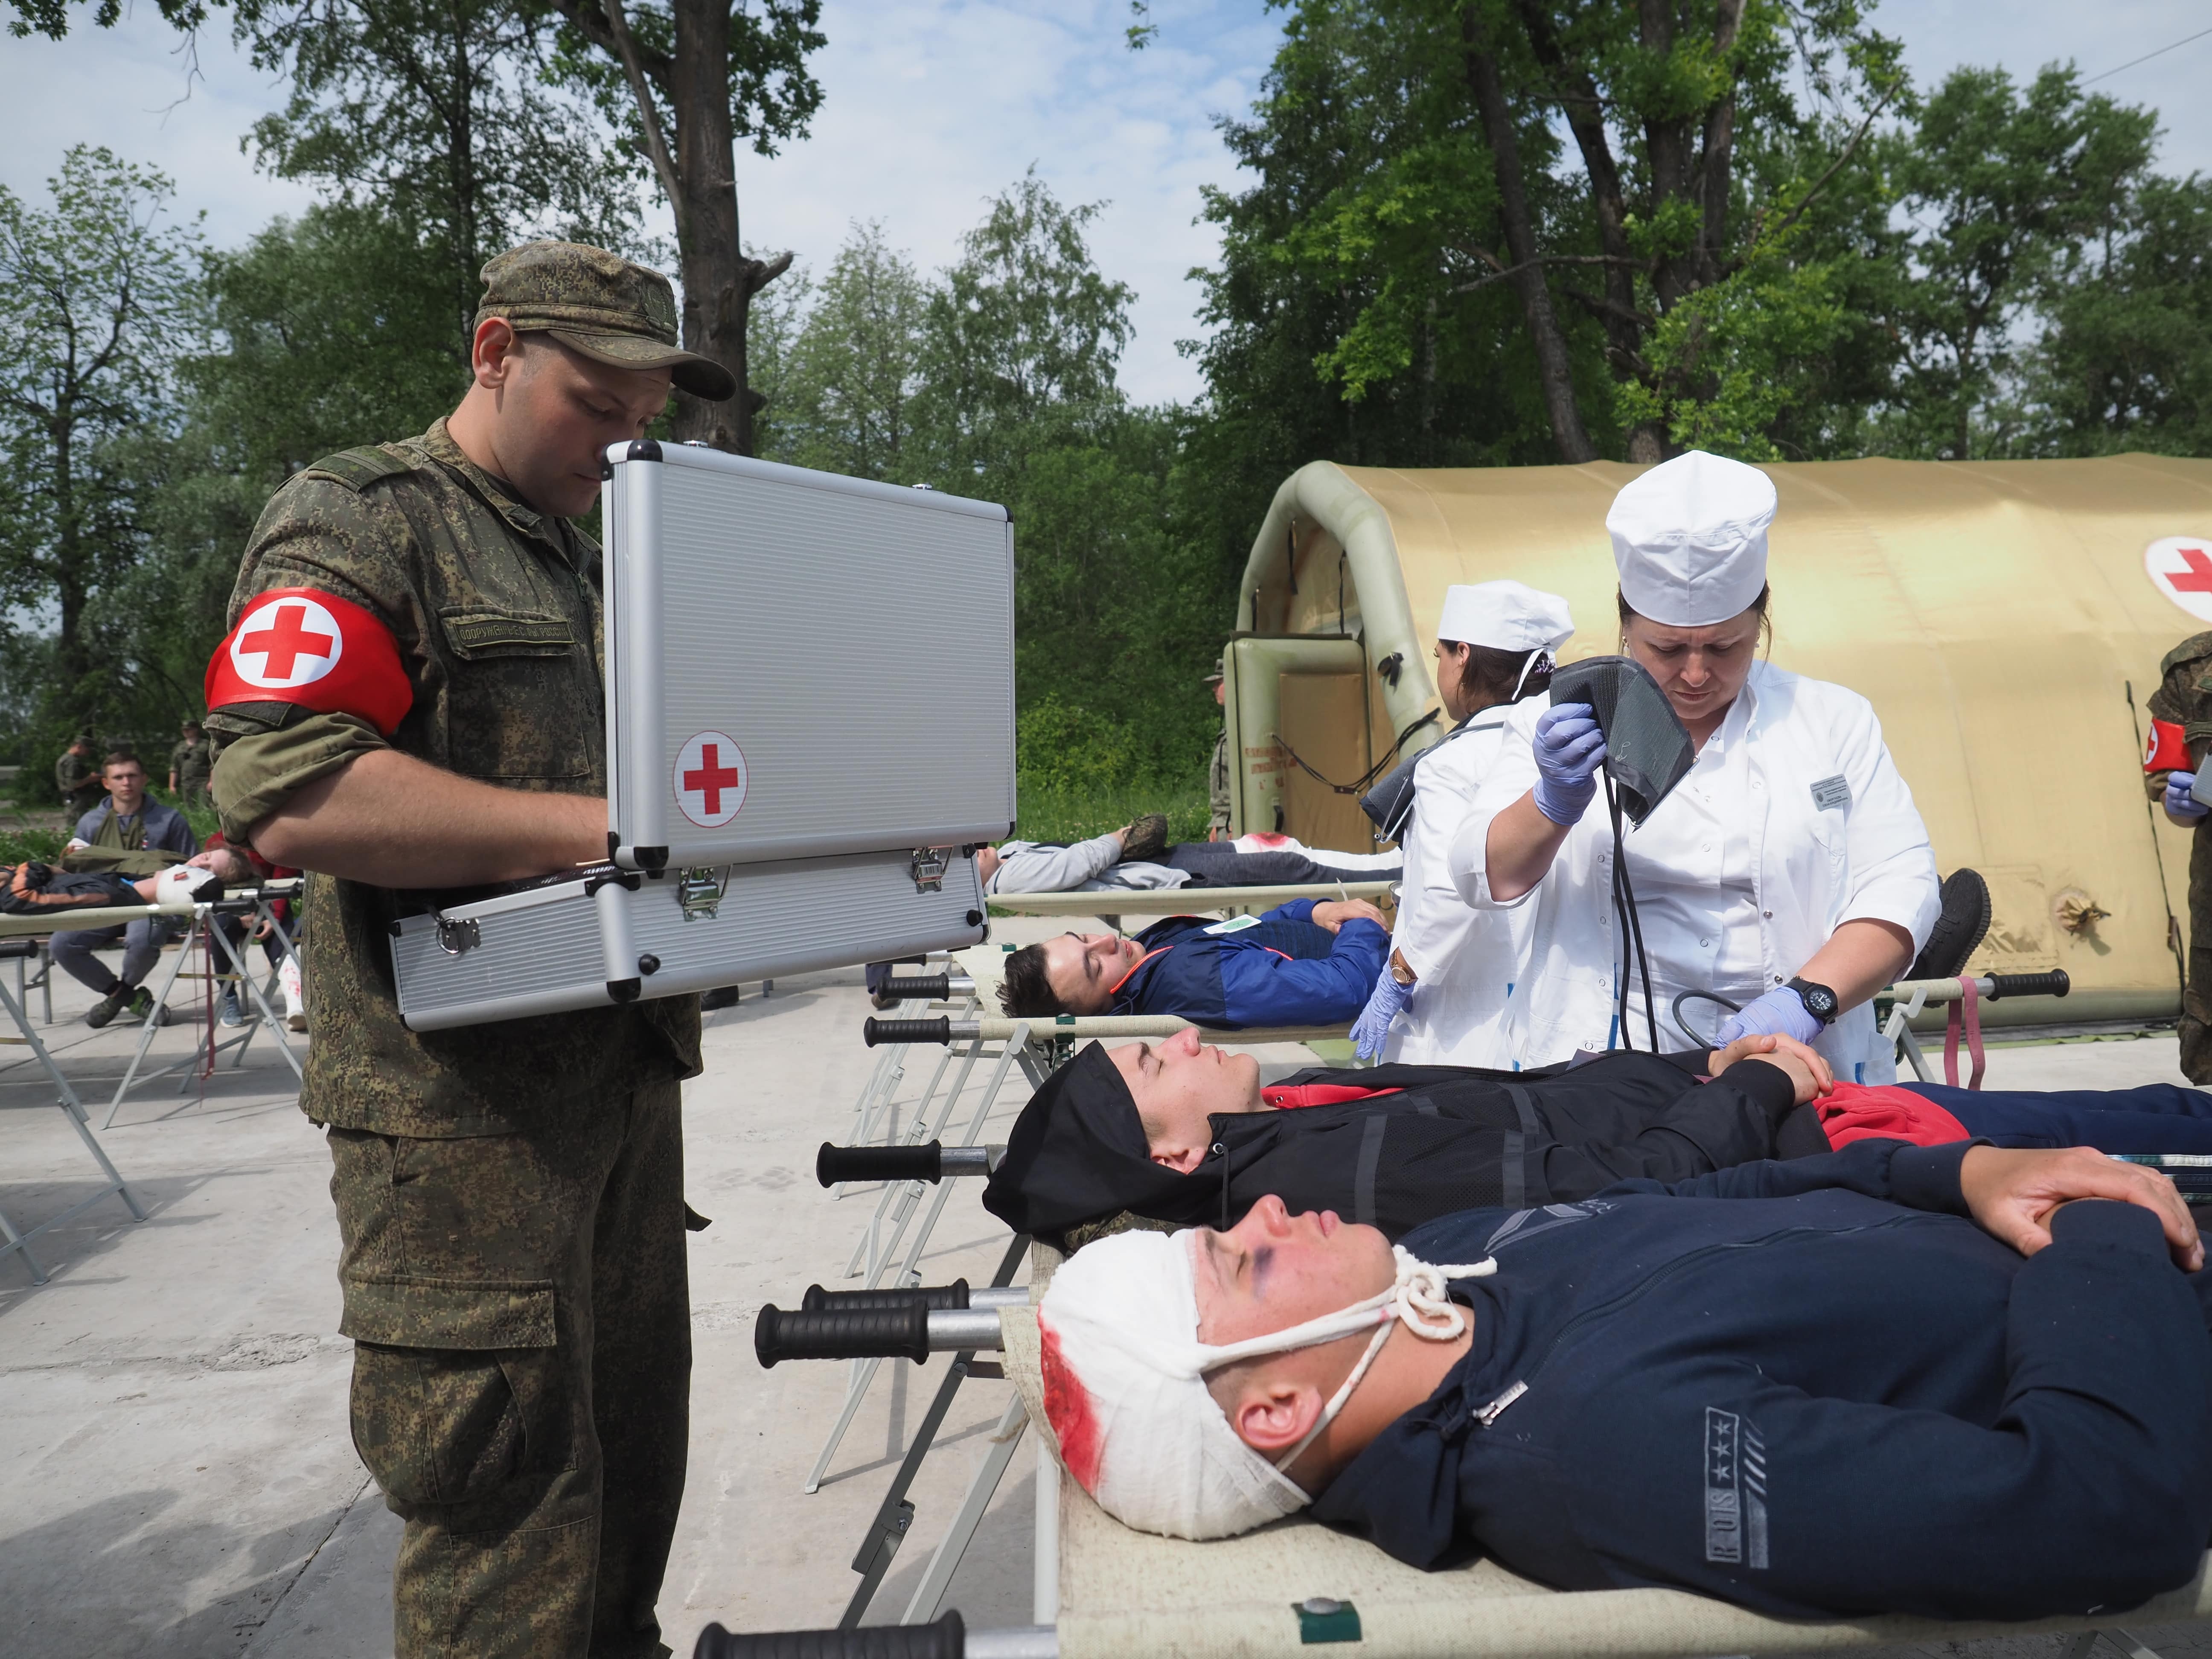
x=1788 y=872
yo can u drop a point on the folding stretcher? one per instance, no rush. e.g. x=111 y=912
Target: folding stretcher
x=1102 y=1591
x=1114 y=902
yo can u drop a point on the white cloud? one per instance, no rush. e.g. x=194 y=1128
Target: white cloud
x=931 y=105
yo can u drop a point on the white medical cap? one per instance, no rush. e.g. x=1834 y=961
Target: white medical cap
x=1505 y=616
x=1124 y=1383
x=1689 y=538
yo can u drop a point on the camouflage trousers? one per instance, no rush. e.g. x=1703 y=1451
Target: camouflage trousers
x=521 y=1376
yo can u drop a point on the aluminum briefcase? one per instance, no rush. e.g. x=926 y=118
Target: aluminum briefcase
x=611 y=935
x=810 y=732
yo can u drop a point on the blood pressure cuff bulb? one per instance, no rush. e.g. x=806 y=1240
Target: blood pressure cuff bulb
x=1646 y=747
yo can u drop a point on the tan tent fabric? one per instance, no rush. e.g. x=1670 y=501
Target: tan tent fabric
x=1994 y=613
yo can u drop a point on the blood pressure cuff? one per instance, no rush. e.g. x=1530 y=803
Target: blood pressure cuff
x=1647 y=750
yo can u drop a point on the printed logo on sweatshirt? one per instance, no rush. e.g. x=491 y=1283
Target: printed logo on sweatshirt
x=1735 y=1491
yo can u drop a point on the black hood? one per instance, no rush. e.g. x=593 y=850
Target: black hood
x=1078 y=1152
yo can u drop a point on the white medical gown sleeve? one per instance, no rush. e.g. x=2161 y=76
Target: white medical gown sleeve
x=1893 y=867
x=1512 y=775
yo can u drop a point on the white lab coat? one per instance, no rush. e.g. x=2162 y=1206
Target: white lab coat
x=1466 y=958
x=1835 y=837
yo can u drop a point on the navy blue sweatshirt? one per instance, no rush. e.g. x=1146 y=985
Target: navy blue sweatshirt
x=1815 y=1388
x=1284 y=969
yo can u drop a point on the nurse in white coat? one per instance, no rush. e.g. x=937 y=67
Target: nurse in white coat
x=1451 y=965
x=1789 y=871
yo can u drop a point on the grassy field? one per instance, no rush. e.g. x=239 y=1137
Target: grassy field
x=1064 y=815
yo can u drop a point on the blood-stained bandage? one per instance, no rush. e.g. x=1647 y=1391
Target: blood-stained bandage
x=2168 y=749
x=300 y=646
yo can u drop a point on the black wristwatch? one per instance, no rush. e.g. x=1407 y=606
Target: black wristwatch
x=1820 y=1001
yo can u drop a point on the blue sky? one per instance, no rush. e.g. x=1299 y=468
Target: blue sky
x=931 y=105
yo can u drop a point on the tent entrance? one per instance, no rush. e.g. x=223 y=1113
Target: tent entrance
x=1307 y=697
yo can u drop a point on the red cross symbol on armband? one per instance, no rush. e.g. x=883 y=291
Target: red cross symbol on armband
x=296 y=641
x=710 y=779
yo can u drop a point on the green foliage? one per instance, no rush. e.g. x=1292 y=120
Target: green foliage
x=839 y=393
x=1064 y=816
x=1062 y=750
x=52 y=17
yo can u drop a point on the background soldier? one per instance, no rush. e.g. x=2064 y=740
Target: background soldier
x=189 y=764
x=76 y=777
x=509 y=1195
x=1217 y=777
x=2180 y=733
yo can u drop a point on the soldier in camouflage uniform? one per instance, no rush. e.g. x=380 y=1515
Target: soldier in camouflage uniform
x=2181 y=733
x=76 y=777
x=1218 y=779
x=191 y=762
x=509 y=1196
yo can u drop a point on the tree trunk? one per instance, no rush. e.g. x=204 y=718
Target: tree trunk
x=1616 y=312
x=69 y=660
x=717 y=293
x=1554 y=369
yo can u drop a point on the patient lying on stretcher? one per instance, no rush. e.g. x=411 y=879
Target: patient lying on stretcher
x=1179 y=1131
x=1891 y=1379
x=32 y=889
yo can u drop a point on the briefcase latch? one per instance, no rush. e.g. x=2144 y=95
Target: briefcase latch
x=455 y=937
x=928 y=868
x=699 y=893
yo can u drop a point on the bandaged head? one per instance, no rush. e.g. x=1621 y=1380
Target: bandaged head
x=1689 y=539
x=1125 y=1381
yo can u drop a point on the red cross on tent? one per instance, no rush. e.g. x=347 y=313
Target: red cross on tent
x=710 y=779
x=2180 y=566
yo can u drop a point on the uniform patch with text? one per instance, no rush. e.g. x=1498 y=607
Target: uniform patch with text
x=1735 y=1491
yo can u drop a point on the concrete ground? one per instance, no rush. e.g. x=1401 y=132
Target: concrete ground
x=176 y=1473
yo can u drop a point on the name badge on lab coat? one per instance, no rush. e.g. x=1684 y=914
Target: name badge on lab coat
x=1834 y=792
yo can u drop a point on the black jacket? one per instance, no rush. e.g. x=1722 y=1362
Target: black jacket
x=1815 y=1388
x=1453 y=1138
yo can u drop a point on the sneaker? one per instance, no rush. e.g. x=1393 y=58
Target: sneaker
x=1960 y=927
x=107 y=1007
x=296 y=1020
x=227 y=1010
x=142 y=1004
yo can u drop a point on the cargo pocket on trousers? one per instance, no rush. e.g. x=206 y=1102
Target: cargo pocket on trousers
x=458 y=1390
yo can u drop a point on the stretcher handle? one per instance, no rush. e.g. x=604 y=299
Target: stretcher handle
x=817 y=1300
x=2053 y=984
x=896 y=1332
x=933 y=1162
x=874 y=1030
x=947 y=1638
x=929 y=988
x=833 y=1165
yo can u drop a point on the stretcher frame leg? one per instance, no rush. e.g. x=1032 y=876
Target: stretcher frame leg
x=925 y=1129
x=79 y=1120
x=153 y=1021
x=895 y=1516
x=864 y=1370
x=269 y=1016
x=929 y=1593
x=1898 y=1031
x=866 y=1248
x=1044 y=1591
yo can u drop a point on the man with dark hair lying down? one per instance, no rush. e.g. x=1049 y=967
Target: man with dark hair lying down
x=1307 y=962
x=1892 y=1379
x=1179 y=1131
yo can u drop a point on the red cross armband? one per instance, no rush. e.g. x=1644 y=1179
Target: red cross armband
x=2168 y=749
x=300 y=646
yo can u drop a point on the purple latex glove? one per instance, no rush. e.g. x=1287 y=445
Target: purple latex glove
x=1373 y=1024
x=1568 y=750
x=2179 y=803
x=1778 y=1012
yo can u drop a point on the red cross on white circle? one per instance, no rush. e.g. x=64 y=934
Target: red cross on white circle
x=2180 y=566
x=710 y=779
x=286 y=642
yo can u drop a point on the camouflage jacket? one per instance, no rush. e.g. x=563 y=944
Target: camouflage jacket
x=76 y=775
x=2184 y=699
x=497 y=613
x=191 y=761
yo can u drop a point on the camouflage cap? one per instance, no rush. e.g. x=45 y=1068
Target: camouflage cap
x=601 y=305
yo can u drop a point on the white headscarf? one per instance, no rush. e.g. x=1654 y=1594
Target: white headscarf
x=1689 y=539
x=1125 y=1381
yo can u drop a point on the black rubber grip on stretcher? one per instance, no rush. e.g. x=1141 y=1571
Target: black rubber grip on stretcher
x=945 y=1298
x=901 y=1333
x=874 y=1030
x=835 y=1164
x=2053 y=984
x=933 y=987
x=947 y=1638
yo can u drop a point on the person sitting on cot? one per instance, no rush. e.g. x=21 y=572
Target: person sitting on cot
x=1299 y=964
x=1179 y=1131
x=1957 y=1382
x=1139 y=855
